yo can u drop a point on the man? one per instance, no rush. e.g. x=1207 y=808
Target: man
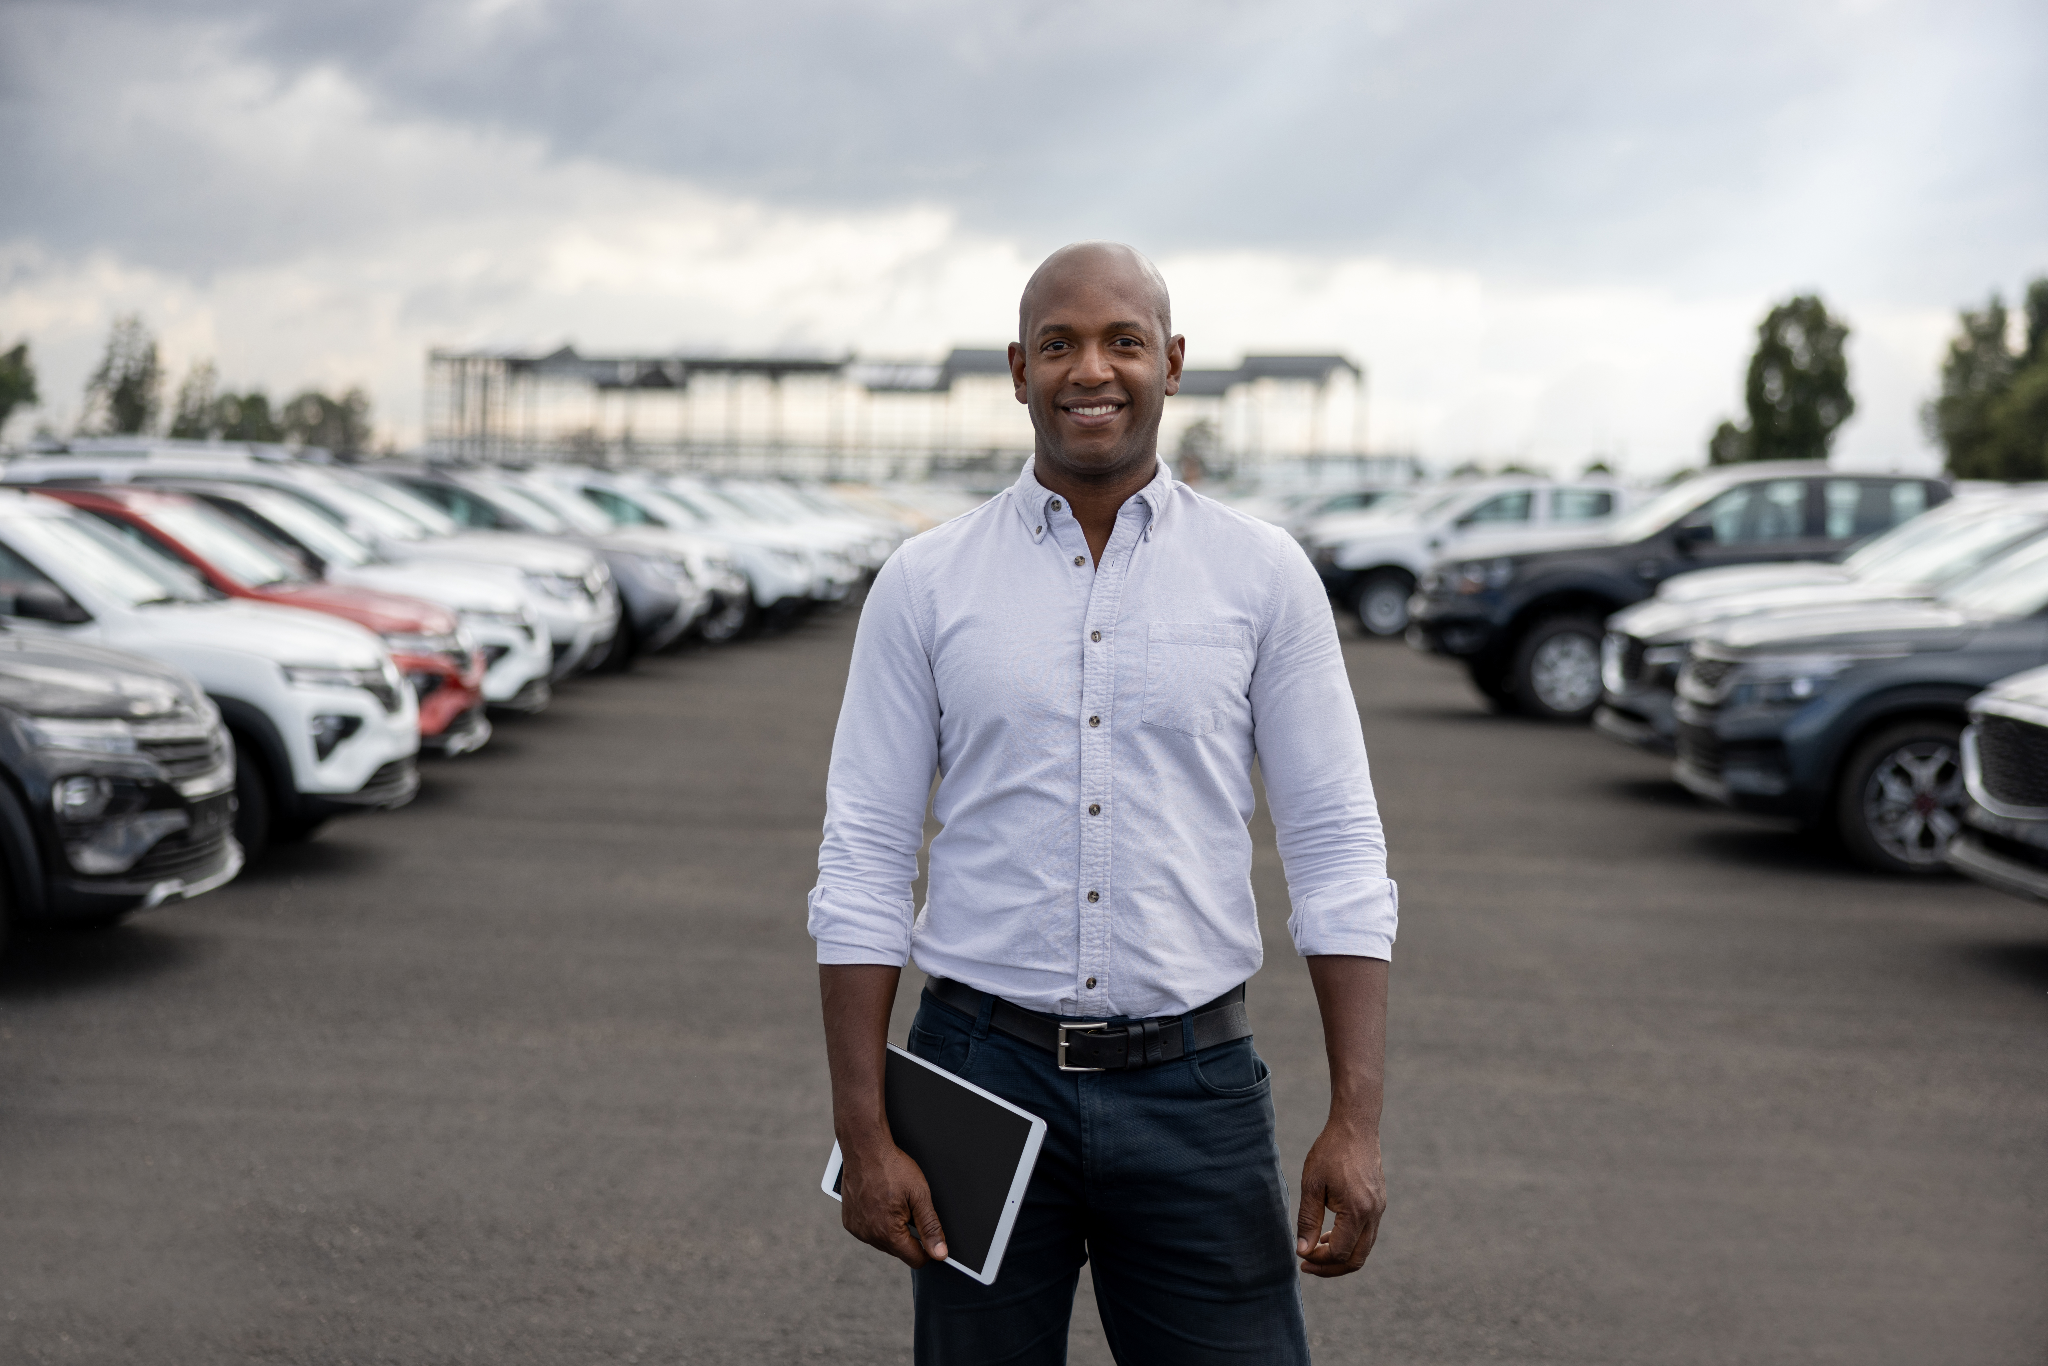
x=1090 y=662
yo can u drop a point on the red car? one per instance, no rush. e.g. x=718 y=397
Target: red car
x=444 y=671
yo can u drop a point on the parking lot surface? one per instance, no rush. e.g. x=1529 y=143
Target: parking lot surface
x=533 y=1072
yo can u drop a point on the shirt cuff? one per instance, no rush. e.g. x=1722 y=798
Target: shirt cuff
x=1356 y=919
x=855 y=926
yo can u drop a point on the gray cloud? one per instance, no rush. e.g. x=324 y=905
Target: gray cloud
x=1894 y=148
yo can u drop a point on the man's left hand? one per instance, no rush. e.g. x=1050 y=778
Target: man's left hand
x=1342 y=1175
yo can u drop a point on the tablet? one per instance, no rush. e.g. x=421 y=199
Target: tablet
x=976 y=1151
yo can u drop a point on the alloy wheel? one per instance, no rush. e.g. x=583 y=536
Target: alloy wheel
x=1564 y=673
x=1383 y=607
x=1913 y=802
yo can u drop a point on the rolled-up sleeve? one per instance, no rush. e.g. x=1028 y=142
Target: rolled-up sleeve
x=883 y=757
x=1312 y=755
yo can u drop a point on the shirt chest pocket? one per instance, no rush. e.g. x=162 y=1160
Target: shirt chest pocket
x=1196 y=676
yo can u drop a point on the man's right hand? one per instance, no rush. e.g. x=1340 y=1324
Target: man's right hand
x=885 y=1203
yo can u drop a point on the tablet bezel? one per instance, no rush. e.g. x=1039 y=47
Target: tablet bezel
x=1019 y=1181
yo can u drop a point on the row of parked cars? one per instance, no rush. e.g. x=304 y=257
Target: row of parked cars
x=207 y=651
x=1862 y=653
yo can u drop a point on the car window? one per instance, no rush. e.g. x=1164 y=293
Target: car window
x=624 y=511
x=1502 y=507
x=1757 y=514
x=1581 y=505
x=260 y=510
x=88 y=549
x=2016 y=586
x=213 y=537
x=17 y=576
x=1855 y=508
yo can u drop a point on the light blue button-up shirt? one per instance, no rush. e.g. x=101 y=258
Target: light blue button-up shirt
x=1093 y=729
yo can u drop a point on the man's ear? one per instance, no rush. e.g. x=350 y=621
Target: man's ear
x=1017 y=372
x=1176 y=356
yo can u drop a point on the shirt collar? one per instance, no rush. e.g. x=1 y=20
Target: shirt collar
x=1033 y=501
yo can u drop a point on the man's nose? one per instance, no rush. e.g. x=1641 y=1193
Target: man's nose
x=1093 y=367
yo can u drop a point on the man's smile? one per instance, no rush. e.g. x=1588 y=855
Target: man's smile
x=1093 y=412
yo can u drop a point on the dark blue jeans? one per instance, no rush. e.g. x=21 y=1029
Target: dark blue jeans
x=1165 y=1181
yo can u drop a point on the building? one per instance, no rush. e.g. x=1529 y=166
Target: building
x=851 y=417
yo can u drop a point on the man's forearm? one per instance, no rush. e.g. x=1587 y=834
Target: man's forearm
x=1352 y=995
x=857 y=999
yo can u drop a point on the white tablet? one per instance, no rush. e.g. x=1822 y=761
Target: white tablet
x=976 y=1151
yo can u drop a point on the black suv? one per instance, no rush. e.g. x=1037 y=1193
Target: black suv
x=1528 y=623
x=116 y=784
x=1851 y=719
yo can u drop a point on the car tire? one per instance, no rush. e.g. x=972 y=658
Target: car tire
x=625 y=648
x=1555 y=675
x=256 y=813
x=1381 y=604
x=731 y=621
x=1490 y=679
x=1900 y=799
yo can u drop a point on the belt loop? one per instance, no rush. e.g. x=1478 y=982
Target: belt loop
x=1153 y=1051
x=981 y=1019
x=1187 y=1034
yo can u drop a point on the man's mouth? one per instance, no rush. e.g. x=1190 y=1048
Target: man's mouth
x=1095 y=413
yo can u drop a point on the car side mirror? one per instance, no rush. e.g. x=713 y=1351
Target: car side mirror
x=48 y=602
x=1693 y=535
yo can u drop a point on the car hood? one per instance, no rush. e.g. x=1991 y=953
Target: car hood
x=1908 y=626
x=457 y=585
x=531 y=554
x=1656 y=621
x=1493 y=545
x=2028 y=689
x=284 y=635
x=1748 y=578
x=64 y=678
x=371 y=608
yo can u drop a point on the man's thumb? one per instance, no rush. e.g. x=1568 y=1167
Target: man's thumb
x=1308 y=1228
x=927 y=1221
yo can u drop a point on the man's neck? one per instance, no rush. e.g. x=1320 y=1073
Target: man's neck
x=1095 y=503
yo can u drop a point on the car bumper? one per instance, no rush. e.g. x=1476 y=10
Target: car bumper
x=389 y=788
x=180 y=866
x=469 y=731
x=1640 y=720
x=1440 y=628
x=1748 y=775
x=2011 y=868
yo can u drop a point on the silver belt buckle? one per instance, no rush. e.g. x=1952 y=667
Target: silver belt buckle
x=1062 y=1050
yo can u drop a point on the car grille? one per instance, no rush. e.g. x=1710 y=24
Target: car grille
x=1631 y=661
x=1700 y=750
x=187 y=755
x=1710 y=674
x=2012 y=759
x=189 y=851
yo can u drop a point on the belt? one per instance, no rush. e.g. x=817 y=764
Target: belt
x=1091 y=1046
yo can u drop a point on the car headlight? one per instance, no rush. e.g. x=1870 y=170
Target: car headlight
x=1791 y=680
x=404 y=643
x=513 y=620
x=1477 y=576
x=381 y=682
x=563 y=587
x=82 y=735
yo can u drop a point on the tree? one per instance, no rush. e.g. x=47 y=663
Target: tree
x=1797 y=388
x=1991 y=415
x=341 y=425
x=195 y=418
x=17 y=383
x=246 y=417
x=122 y=396
x=1598 y=465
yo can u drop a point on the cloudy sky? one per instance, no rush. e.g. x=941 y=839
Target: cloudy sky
x=1546 y=230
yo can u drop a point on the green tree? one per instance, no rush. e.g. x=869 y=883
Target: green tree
x=341 y=425
x=246 y=417
x=123 y=394
x=1797 y=388
x=17 y=383
x=195 y=416
x=1991 y=416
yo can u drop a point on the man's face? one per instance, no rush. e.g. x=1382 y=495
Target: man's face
x=1095 y=368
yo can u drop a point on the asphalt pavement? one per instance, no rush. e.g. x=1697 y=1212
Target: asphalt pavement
x=533 y=1072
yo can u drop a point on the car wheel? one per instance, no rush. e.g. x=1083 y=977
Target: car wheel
x=1382 y=604
x=1556 y=673
x=255 y=810
x=1901 y=798
x=1490 y=679
x=625 y=648
x=729 y=622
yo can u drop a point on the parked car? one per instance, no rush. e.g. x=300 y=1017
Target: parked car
x=442 y=665
x=322 y=721
x=1646 y=643
x=1527 y=620
x=569 y=587
x=490 y=603
x=120 y=784
x=1850 y=719
x=659 y=588
x=2004 y=840
x=1371 y=561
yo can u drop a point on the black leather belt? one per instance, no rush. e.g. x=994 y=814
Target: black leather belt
x=1090 y=1046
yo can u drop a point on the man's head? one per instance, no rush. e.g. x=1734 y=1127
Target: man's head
x=1095 y=358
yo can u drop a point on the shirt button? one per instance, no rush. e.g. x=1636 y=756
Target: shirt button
x=1095 y=896
x=1037 y=530
x=1091 y=984
x=1095 y=635
x=1095 y=808
x=1078 y=560
x=1094 y=720
x=1055 y=505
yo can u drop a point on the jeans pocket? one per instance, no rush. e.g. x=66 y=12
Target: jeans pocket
x=1231 y=1071
x=940 y=1042
x=1196 y=676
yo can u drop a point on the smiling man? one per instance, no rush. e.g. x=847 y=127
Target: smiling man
x=1090 y=662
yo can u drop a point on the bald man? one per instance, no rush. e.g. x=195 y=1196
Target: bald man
x=1090 y=662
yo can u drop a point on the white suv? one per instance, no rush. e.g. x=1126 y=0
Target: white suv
x=1372 y=560
x=322 y=720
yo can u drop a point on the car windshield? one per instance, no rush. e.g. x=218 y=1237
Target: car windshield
x=301 y=523
x=2016 y=586
x=1956 y=549
x=693 y=501
x=85 y=550
x=1666 y=508
x=564 y=504
x=403 y=501
x=536 y=515
x=341 y=505
x=215 y=538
